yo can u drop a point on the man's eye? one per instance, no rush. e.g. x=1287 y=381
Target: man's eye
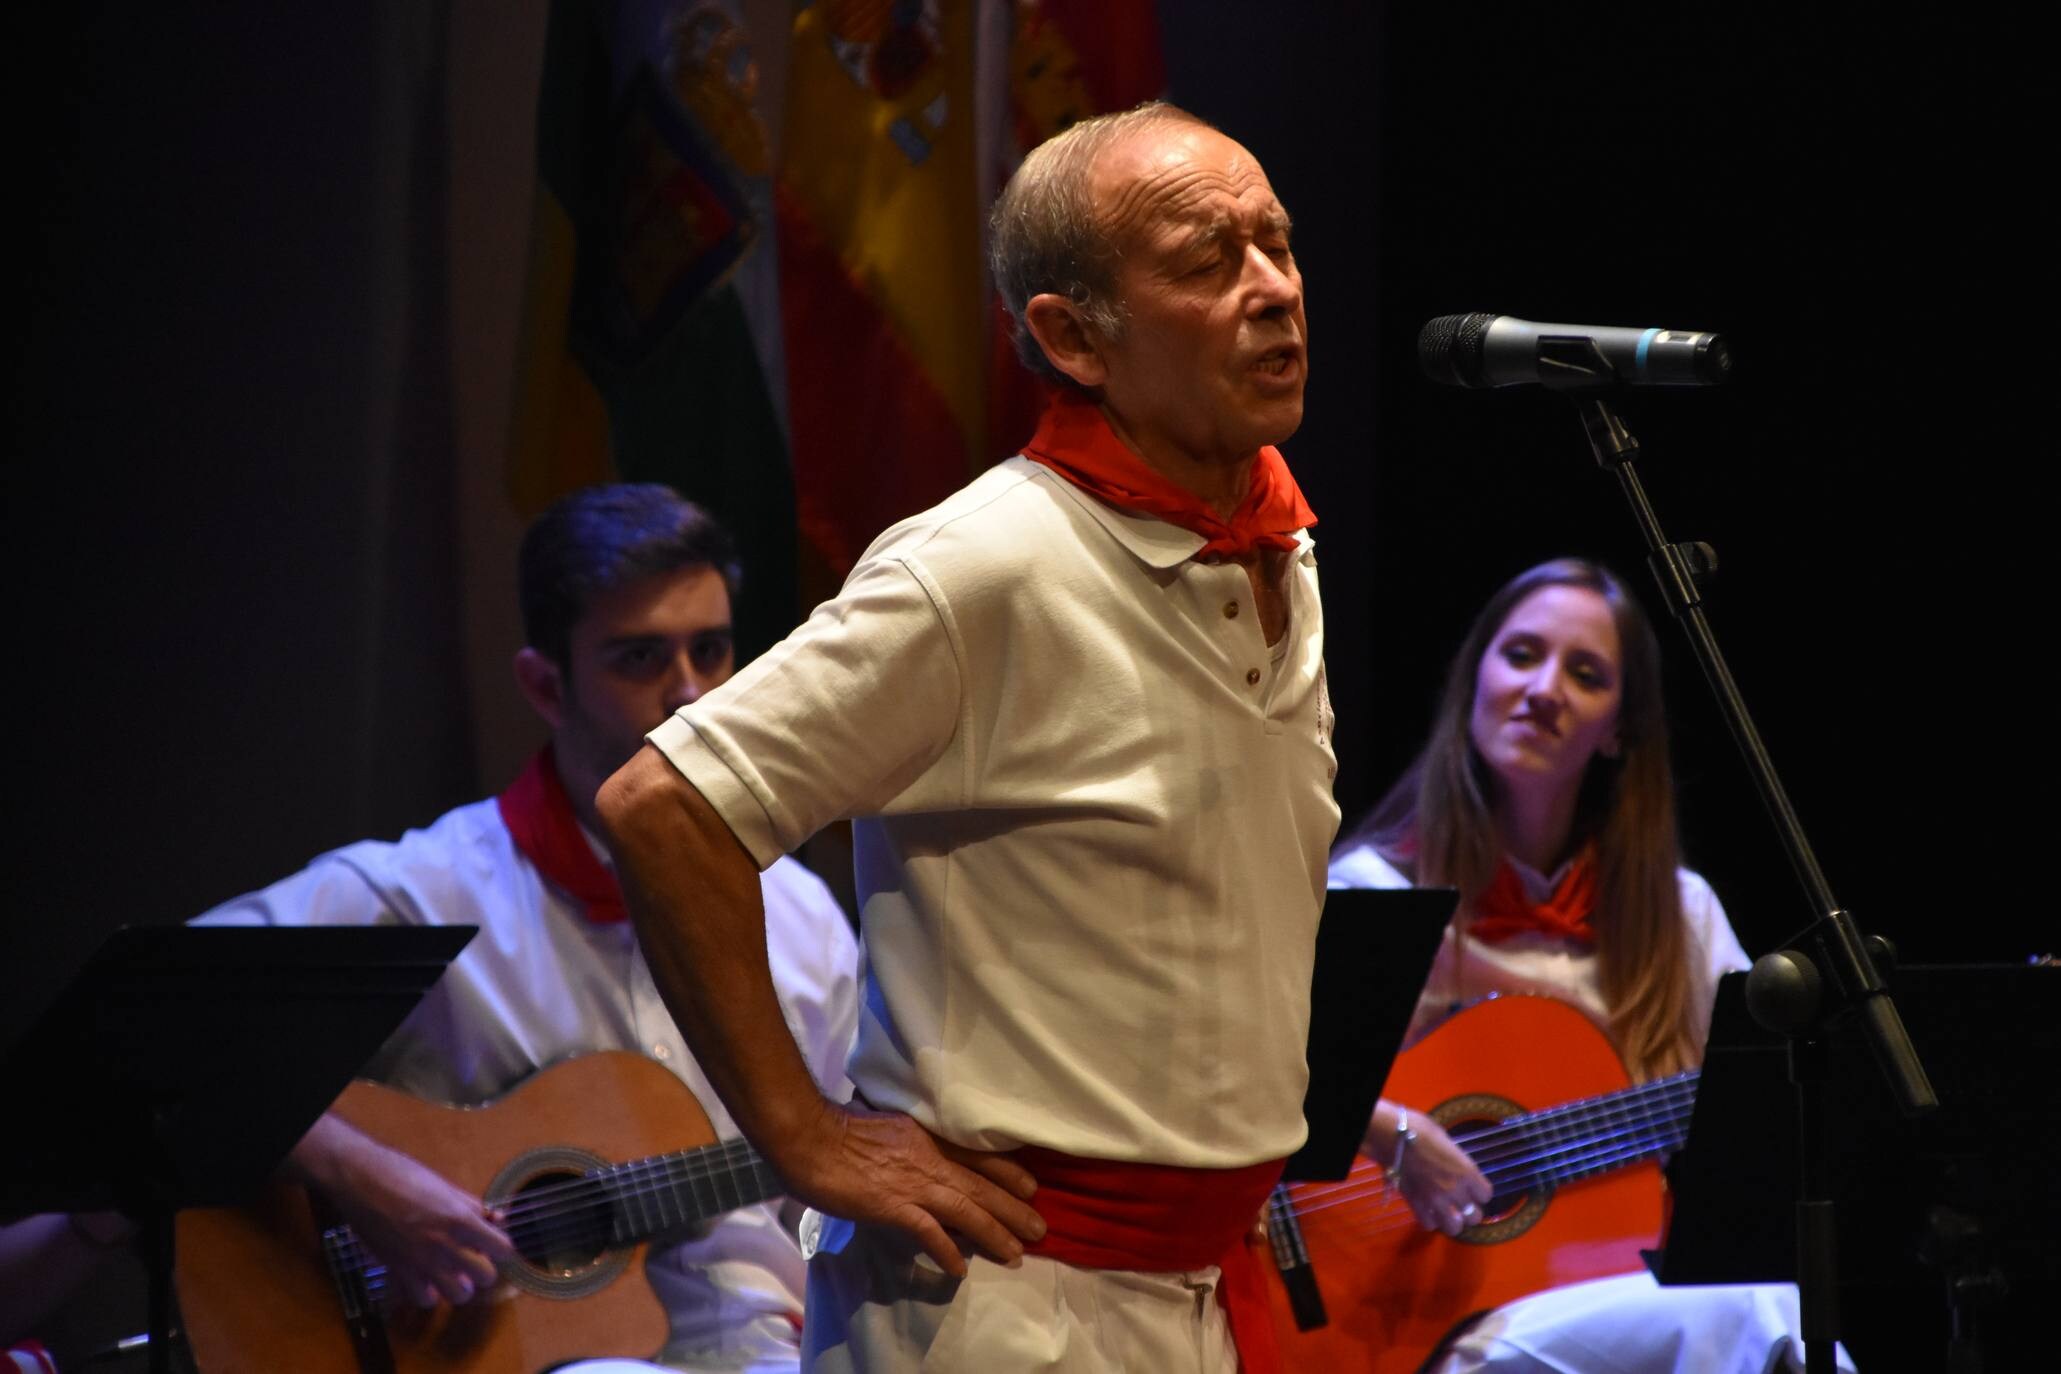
x=710 y=652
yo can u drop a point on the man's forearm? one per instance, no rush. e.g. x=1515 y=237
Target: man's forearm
x=693 y=891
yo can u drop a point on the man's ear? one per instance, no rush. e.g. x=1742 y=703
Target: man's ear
x=1069 y=345
x=542 y=683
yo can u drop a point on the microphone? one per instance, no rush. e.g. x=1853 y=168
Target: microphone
x=1502 y=350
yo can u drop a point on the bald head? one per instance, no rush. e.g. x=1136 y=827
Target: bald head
x=1205 y=360
x=1049 y=232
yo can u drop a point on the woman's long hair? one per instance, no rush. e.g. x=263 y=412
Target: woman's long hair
x=1437 y=823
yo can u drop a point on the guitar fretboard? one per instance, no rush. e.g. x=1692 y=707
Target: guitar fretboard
x=649 y=1197
x=1585 y=1137
x=605 y=1209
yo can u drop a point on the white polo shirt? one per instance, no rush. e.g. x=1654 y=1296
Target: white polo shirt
x=1093 y=807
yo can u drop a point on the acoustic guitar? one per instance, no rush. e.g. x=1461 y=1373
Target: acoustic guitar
x=1578 y=1192
x=589 y=1160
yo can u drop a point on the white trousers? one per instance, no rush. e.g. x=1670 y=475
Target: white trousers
x=880 y=1306
x=1631 y=1325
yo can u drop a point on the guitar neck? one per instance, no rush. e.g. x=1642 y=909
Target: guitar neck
x=1587 y=1137
x=647 y=1197
x=606 y=1208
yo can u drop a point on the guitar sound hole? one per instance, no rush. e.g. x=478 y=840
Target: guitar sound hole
x=559 y=1221
x=1501 y=1205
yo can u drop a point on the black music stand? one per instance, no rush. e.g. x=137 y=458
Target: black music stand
x=1963 y=1201
x=182 y=1063
x=1374 y=951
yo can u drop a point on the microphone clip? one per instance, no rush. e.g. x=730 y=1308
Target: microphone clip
x=1574 y=365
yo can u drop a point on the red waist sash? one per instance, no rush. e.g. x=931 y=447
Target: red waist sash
x=1161 y=1218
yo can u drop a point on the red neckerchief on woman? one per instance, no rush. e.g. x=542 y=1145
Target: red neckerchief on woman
x=1074 y=440
x=1504 y=909
x=540 y=817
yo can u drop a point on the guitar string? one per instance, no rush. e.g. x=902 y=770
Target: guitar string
x=577 y=1210
x=1388 y=1199
x=571 y=1209
x=1554 y=1166
x=632 y=1183
x=1390 y=1213
x=587 y=1211
x=1664 y=1092
x=735 y=1155
x=587 y=1220
x=1643 y=1136
x=1664 y=1131
x=1523 y=1140
x=582 y=1218
x=1489 y=1143
x=547 y=1215
x=1589 y=1162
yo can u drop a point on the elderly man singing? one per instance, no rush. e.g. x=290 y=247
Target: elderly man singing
x=1078 y=714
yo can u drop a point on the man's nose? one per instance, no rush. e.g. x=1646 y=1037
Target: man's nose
x=684 y=686
x=1274 y=287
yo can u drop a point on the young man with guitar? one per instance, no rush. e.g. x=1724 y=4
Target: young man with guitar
x=626 y=605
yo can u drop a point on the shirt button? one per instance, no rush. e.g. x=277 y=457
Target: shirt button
x=1252 y=678
x=1230 y=610
x=661 y=1052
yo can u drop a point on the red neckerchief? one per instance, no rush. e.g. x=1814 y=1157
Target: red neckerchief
x=1161 y=1218
x=540 y=817
x=1503 y=910
x=1074 y=440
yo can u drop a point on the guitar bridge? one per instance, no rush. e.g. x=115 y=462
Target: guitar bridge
x=1292 y=1259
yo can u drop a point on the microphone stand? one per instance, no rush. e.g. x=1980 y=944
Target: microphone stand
x=1830 y=968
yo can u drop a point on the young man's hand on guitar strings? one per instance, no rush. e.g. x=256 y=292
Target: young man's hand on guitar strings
x=438 y=1242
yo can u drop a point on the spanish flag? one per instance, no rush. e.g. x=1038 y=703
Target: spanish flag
x=903 y=117
x=804 y=339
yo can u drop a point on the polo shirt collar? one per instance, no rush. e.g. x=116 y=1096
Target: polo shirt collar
x=1153 y=542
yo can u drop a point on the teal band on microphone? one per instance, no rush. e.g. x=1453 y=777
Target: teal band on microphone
x=1639 y=357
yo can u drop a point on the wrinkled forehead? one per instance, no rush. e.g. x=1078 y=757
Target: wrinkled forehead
x=1172 y=179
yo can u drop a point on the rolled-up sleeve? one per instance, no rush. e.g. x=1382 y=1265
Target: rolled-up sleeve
x=849 y=715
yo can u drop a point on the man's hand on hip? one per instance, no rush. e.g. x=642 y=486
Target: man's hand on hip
x=884 y=1168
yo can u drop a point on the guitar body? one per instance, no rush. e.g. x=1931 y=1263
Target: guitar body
x=1392 y=1289
x=257 y=1297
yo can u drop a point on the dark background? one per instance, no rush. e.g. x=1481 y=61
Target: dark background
x=232 y=560
x=1843 y=195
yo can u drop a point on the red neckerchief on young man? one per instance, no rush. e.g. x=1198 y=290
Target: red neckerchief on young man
x=1504 y=909
x=540 y=817
x=1074 y=440
x=1162 y=1219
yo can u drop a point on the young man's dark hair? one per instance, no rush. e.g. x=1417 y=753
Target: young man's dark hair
x=601 y=538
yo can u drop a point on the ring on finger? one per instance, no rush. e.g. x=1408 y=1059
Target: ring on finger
x=1470 y=1212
